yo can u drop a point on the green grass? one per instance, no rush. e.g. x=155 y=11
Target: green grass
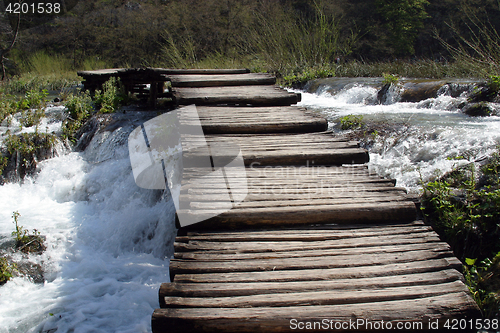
x=464 y=208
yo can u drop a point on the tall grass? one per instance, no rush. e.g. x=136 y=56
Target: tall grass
x=286 y=41
x=52 y=72
x=480 y=49
x=280 y=41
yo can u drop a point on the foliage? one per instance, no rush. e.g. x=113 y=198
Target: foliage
x=390 y=79
x=483 y=281
x=494 y=83
x=30 y=81
x=464 y=208
x=27 y=148
x=79 y=108
x=403 y=19
x=351 y=122
x=25 y=241
x=112 y=95
x=299 y=79
x=6 y=270
x=34 y=105
x=8 y=105
x=478 y=44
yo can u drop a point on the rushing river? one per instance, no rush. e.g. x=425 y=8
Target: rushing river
x=108 y=242
x=428 y=134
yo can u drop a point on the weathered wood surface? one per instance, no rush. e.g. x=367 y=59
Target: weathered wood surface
x=253 y=120
x=217 y=80
x=288 y=149
x=259 y=280
x=301 y=195
x=316 y=239
x=258 y=95
x=164 y=71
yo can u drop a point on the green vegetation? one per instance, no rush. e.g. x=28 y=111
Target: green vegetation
x=403 y=20
x=7 y=270
x=390 y=79
x=111 y=97
x=483 y=280
x=79 y=108
x=464 y=208
x=351 y=122
x=25 y=241
x=296 y=39
x=27 y=149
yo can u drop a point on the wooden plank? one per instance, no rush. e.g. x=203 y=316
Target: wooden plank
x=318 y=233
x=363 y=271
x=257 y=246
x=252 y=120
x=235 y=95
x=201 y=71
x=215 y=80
x=279 y=319
x=429 y=244
x=272 y=247
x=322 y=297
x=305 y=263
x=222 y=289
x=288 y=149
x=284 y=215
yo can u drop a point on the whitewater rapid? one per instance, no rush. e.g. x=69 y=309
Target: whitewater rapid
x=430 y=133
x=108 y=244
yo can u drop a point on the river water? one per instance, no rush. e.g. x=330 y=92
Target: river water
x=108 y=241
x=425 y=136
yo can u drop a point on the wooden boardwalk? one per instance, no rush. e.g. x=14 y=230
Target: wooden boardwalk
x=318 y=244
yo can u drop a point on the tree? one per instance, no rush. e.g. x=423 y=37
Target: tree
x=8 y=39
x=403 y=20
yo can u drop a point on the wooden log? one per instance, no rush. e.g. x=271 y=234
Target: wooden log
x=217 y=80
x=222 y=289
x=312 y=233
x=235 y=95
x=201 y=71
x=204 y=256
x=272 y=247
x=348 y=213
x=421 y=311
x=325 y=262
x=322 y=297
x=364 y=271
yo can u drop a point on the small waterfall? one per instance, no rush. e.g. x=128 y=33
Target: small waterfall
x=416 y=131
x=108 y=241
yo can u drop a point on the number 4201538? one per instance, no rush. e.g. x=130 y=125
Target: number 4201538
x=33 y=8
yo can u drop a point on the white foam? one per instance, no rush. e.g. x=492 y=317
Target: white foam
x=107 y=247
x=433 y=130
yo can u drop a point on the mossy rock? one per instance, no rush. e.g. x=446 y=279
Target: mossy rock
x=481 y=109
x=483 y=93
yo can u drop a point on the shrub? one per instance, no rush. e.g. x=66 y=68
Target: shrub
x=26 y=242
x=464 y=209
x=351 y=122
x=79 y=108
x=109 y=99
x=390 y=79
x=6 y=270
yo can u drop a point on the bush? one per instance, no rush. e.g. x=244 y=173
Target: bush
x=464 y=208
x=350 y=122
x=79 y=108
x=6 y=270
x=109 y=99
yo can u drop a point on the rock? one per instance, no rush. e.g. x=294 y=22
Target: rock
x=483 y=93
x=481 y=109
x=420 y=90
x=382 y=93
